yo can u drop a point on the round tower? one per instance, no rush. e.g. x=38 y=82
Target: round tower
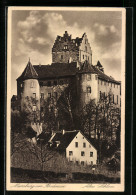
x=87 y=84
x=29 y=89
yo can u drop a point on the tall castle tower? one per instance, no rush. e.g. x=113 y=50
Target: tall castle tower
x=66 y=49
x=28 y=85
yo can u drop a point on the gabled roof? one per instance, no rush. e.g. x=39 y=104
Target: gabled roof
x=65 y=139
x=28 y=73
x=56 y=70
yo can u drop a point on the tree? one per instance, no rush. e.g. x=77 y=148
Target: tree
x=31 y=110
x=87 y=117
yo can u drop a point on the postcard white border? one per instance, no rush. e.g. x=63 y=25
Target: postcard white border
x=64 y=186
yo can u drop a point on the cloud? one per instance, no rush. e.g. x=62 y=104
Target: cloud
x=36 y=33
x=104 y=30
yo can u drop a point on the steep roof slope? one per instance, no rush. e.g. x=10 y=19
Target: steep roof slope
x=28 y=73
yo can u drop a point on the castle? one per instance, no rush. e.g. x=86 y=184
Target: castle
x=71 y=65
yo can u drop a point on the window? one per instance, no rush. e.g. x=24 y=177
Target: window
x=32 y=84
x=104 y=94
x=96 y=77
x=49 y=95
x=104 y=82
x=101 y=82
x=34 y=108
x=82 y=162
x=70 y=153
x=108 y=83
x=76 y=162
x=88 y=89
x=88 y=57
x=61 y=82
x=42 y=95
x=89 y=77
x=86 y=48
x=114 y=85
x=91 y=154
x=100 y=94
x=55 y=95
x=117 y=86
x=84 y=145
x=41 y=109
x=76 y=144
x=113 y=99
x=21 y=85
x=65 y=47
x=55 y=83
x=117 y=99
x=34 y=95
x=91 y=162
x=82 y=153
x=83 y=56
x=49 y=83
x=111 y=84
x=61 y=57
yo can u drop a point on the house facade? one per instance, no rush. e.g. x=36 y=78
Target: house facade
x=77 y=148
x=71 y=66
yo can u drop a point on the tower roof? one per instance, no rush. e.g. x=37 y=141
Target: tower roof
x=29 y=72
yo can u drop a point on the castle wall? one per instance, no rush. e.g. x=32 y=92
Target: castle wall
x=104 y=86
x=65 y=56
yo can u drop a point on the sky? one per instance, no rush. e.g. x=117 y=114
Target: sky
x=34 y=32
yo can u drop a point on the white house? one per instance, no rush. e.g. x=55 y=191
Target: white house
x=77 y=147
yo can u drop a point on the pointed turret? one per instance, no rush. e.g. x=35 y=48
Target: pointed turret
x=28 y=73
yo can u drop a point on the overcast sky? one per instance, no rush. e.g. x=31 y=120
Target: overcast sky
x=34 y=32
